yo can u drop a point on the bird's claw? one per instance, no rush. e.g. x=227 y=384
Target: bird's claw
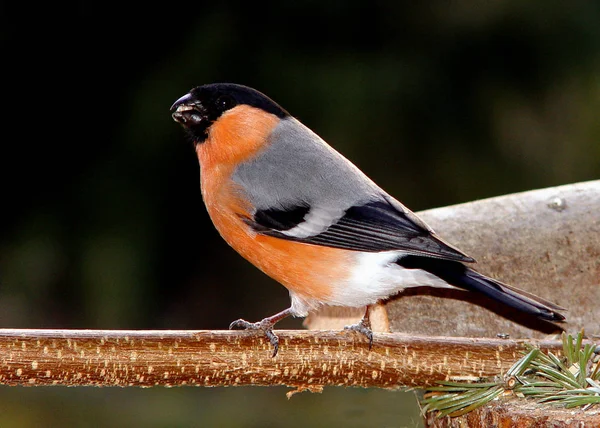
x=363 y=327
x=264 y=326
x=243 y=325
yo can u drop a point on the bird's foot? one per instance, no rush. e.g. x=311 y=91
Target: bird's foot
x=265 y=326
x=363 y=327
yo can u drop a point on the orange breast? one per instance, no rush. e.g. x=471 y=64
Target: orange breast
x=308 y=270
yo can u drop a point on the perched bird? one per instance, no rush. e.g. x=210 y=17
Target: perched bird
x=307 y=217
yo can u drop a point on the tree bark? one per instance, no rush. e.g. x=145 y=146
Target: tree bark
x=518 y=413
x=306 y=360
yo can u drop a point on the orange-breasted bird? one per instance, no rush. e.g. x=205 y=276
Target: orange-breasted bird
x=310 y=219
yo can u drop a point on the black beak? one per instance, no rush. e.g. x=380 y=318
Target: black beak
x=188 y=111
x=183 y=100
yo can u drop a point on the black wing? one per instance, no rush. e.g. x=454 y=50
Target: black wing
x=373 y=227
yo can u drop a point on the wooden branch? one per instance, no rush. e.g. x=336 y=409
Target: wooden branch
x=306 y=360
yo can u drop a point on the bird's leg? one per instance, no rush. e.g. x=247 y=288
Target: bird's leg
x=265 y=326
x=363 y=327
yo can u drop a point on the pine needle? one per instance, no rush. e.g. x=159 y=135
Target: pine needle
x=571 y=381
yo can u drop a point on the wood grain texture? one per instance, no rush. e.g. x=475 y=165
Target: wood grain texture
x=544 y=241
x=306 y=360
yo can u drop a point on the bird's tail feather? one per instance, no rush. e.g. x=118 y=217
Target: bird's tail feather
x=511 y=296
x=460 y=276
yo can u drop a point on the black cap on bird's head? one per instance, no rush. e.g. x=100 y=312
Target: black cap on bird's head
x=198 y=109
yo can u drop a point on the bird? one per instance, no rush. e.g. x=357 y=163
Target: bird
x=306 y=216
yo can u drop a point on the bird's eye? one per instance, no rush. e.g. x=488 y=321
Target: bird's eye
x=225 y=102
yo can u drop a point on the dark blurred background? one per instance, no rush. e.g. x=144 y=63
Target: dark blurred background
x=103 y=224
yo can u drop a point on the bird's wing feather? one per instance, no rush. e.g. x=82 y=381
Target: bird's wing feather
x=374 y=226
x=303 y=190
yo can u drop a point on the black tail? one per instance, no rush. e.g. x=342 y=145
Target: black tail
x=459 y=275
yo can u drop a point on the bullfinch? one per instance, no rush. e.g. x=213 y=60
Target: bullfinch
x=310 y=219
